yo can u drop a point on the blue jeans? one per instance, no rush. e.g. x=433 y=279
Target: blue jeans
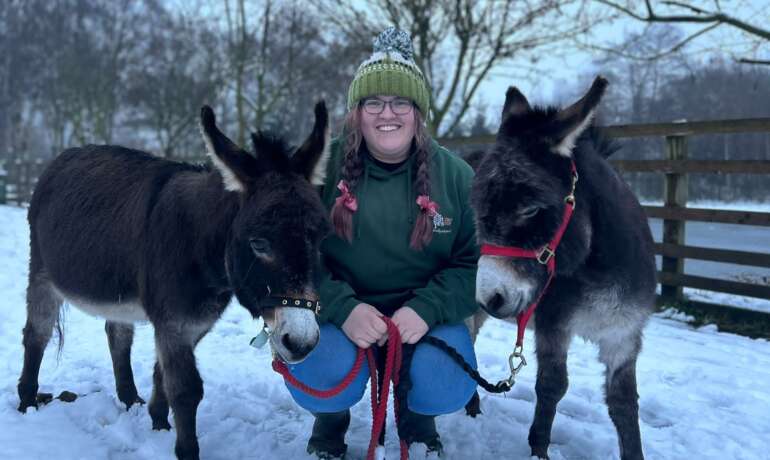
x=439 y=385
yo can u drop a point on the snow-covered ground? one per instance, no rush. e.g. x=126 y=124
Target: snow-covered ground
x=703 y=394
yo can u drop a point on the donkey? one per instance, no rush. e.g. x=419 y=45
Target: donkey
x=131 y=237
x=604 y=283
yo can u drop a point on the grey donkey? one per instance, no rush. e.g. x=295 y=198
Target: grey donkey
x=604 y=284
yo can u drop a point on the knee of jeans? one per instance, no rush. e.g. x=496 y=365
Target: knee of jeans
x=324 y=368
x=439 y=384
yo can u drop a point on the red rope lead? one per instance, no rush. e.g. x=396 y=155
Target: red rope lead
x=280 y=367
x=379 y=398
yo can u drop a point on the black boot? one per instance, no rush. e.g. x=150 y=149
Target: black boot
x=418 y=428
x=328 y=438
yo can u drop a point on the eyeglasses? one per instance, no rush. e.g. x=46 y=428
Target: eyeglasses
x=399 y=106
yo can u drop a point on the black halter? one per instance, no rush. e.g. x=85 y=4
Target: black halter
x=286 y=301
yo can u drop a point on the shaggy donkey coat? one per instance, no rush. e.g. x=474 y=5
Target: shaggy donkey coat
x=604 y=286
x=132 y=237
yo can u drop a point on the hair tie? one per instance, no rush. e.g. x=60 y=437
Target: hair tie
x=426 y=205
x=346 y=198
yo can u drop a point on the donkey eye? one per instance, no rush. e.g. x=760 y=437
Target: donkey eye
x=528 y=212
x=260 y=246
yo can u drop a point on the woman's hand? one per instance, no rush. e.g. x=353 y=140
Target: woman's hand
x=409 y=324
x=365 y=326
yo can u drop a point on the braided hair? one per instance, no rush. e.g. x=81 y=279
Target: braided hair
x=353 y=168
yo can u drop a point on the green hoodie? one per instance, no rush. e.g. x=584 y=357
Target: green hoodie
x=378 y=267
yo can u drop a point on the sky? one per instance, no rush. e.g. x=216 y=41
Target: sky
x=559 y=72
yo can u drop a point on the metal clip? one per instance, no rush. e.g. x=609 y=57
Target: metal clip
x=518 y=353
x=261 y=339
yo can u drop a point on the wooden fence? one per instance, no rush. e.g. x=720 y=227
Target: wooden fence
x=19 y=179
x=674 y=213
x=22 y=176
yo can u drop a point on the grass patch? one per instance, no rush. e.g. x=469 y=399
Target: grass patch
x=748 y=323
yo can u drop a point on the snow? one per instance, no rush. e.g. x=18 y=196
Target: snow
x=703 y=394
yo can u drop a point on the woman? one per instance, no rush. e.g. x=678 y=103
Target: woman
x=404 y=247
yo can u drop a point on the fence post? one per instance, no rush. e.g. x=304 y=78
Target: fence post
x=675 y=196
x=3 y=181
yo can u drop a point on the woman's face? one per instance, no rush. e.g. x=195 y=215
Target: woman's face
x=389 y=134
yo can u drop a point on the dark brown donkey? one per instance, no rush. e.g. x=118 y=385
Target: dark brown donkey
x=604 y=285
x=132 y=237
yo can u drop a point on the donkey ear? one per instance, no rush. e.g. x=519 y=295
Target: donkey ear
x=237 y=167
x=311 y=157
x=572 y=121
x=515 y=103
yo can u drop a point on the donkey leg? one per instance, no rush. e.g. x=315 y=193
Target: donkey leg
x=42 y=315
x=619 y=356
x=183 y=386
x=158 y=407
x=550 y=387
x=120 y=338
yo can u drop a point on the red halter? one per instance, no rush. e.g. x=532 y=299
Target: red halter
x=545 y=255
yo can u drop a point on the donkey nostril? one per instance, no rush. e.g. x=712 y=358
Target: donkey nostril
x=495 y=302
x=298 y=349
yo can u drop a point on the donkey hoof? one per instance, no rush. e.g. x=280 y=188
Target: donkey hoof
x=161 y=425
x=24 y=405
x=43 y=398
x=187 y=452
x=129 y=402
x=540 y=453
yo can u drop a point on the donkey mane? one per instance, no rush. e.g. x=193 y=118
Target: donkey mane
x=266 y=141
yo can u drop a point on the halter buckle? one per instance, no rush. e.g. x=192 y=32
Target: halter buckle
x=545 y=254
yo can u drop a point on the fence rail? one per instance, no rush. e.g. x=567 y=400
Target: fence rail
x=728 y=256
x=709 y=215
x=695 y=166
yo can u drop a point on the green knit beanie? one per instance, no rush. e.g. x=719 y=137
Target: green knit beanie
x=391 y=71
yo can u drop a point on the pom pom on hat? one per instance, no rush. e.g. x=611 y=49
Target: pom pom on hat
x=392 y=39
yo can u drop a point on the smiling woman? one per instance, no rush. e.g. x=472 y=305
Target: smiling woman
x=387 y=124
x=404 y=247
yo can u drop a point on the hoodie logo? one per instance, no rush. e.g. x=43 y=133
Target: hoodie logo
x=441 y=224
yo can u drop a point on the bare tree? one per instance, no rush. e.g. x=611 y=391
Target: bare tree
x=19 y=72
x=710 y=18
x=87 y=46
x=178 y=72
x=459 y=42
x=279 y=60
